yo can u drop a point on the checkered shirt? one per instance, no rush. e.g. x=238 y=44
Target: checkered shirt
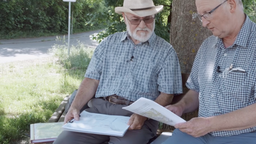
x=224 y=88
x=134 y=71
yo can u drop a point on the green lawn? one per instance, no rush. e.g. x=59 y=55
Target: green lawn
x=30 y=91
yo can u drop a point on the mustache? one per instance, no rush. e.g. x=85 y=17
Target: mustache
x=145 y=29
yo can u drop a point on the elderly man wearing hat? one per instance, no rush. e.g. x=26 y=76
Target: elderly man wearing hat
x=124 y=67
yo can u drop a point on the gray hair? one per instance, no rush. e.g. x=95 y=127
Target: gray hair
x=240 y=4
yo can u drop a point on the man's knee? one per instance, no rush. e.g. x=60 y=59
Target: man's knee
x=67 y=137
x=63 y=138
x=179 y=137
x=141 y=136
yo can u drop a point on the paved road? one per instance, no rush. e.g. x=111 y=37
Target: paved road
x=32 y=48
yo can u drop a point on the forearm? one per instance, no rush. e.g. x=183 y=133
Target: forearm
x=164 y=99
x=236 y=120
x=85 y=92
x=189 y=102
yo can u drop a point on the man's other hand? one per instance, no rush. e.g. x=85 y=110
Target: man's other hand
x=196 y=127
x=136 y=121
x=72 y=113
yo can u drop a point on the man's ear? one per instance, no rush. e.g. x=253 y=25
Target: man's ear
x=232 y=5
x=124 y=17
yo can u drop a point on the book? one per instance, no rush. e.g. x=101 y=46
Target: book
x=45 y=132
x=94 y=123
x=153 y=110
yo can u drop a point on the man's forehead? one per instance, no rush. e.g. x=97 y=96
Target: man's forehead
x=206 y=5
x=132 y=15
x=208 y=1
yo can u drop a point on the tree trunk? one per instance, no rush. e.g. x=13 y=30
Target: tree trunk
x=186 y=34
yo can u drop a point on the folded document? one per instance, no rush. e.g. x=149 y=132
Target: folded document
x=153 y=110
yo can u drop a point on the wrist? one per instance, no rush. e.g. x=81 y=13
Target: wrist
x=211 y=125
x=142 y=117
x=182 y=106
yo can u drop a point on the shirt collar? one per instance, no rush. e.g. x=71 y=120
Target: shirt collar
x=124 y=36
x=150 y=41
x=244 y=34
x=242 y=37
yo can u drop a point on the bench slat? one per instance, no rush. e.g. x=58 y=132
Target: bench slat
x=59 y=111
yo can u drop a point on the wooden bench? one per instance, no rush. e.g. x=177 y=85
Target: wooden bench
x=59 y=115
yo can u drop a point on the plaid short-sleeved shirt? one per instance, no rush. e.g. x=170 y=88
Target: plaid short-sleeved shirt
x=225 y=77
x=134 y=71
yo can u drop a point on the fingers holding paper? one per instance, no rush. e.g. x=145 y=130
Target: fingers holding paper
x=196 y=127
x=136 y=121
x=72 y=114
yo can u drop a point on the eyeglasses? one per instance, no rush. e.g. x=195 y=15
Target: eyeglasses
x=208 y=14
x=136 y=21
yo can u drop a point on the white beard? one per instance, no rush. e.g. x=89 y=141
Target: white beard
x=143 y=36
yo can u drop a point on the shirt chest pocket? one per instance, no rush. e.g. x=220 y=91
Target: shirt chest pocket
x=146 y=72
x=236 y=89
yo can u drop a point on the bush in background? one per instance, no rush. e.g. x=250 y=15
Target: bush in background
x=250 y=9
x=163 y=19
x=48 y=16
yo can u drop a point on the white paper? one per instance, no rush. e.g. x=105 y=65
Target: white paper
x=102 y=124
x=153 y=110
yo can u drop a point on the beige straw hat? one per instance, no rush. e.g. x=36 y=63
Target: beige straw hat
x=139 y=8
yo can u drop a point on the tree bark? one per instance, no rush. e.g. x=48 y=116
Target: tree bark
x=186 y=33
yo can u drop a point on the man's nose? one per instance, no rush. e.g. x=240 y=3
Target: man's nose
x=204 y=22
x=142 y=24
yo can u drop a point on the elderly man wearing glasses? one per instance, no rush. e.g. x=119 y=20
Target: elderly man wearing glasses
x=222 y=82
x=125 y=67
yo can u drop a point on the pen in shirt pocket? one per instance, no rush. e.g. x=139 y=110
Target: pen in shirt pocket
x=237 y=69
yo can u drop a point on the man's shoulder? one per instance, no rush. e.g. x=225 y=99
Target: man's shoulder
x=208 y=45
x=161 y=43
x=113 y=38
x=116 y=36
x=253 y=28
x=211 y=40
x=161 y=40
x=251 y=25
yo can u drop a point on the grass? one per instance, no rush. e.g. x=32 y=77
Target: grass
x=30 y=91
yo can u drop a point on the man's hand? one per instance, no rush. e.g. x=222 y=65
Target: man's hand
x=196 y=127
x=136 y=121
x=72 y=113
x=175 y=109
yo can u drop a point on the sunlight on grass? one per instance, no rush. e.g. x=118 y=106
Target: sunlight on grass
x=30 y=91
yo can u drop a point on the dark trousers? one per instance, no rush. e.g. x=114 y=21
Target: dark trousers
x=179 y=137
x=141 y=136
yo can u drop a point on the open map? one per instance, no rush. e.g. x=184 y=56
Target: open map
x=99 y=124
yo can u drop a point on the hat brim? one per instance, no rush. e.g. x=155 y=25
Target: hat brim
x=140 y=13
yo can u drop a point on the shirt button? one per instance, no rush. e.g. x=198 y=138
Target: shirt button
x=225 y=54
x=212 y=95
x=219 y=75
